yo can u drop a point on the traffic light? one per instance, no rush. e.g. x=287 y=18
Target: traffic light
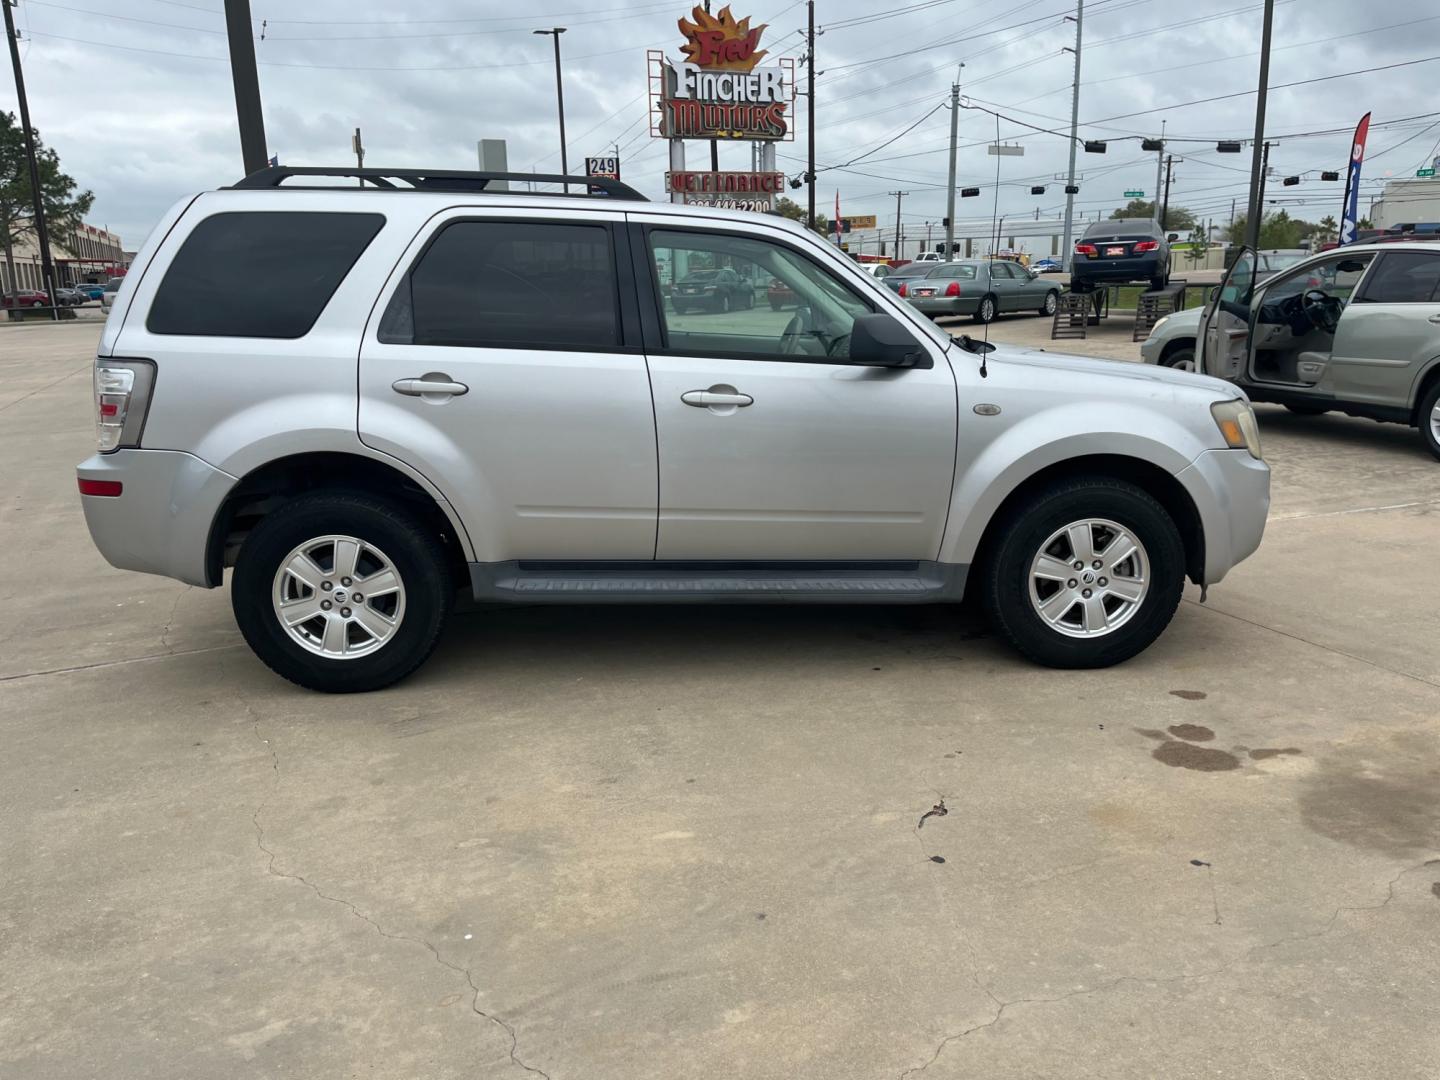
x=1038 y=189
x=1072 y=189
x=945 y=222
x=1227 y=146
x=1328 y=175
x=1151 y=144
x=1094 y=146
x=970 y=193
x=1290 y=181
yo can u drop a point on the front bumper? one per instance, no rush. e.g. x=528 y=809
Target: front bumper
x=1231 y=491
x=160 y=523
x=945 y=305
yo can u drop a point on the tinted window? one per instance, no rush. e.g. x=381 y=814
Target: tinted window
x=502 y=283
x=1000 y=270
x=960 y=271
x=1409 y=277
x=265 y=274
x=815 y=328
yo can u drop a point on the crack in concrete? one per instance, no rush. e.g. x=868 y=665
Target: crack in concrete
x=116 y=663
x=498 y=1021
x=170 y=621
x=1156 y=980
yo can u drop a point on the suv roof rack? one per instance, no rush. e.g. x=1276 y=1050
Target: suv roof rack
x=437 y=180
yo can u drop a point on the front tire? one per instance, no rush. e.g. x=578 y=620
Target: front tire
x=1430 y=420
x=1052 y=302
x=985 y=313
x=295 y=583
x=1029 y=571
x=1181 y=359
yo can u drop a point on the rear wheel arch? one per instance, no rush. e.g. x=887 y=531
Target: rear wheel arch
x=1423 y=385
x=1155 y=481
x=271 y=485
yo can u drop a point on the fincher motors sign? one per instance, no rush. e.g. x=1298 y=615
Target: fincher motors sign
x=721 y=91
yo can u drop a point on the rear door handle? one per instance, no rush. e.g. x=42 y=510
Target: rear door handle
x=703 y=399
x=429 y=384
x=1435 y=318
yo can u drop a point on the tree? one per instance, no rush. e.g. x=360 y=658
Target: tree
x=1327 y=230
x=65 y=209
x=1277 y=230
x=1177 y=218
x=795 y=212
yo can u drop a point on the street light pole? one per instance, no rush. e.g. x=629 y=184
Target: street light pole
x=899 y=195
x=810 y=105
x=251 y=120
x=555 y=32
x=1258 y=151
x=42 y=236
x=950 y=191
x=1074 y=138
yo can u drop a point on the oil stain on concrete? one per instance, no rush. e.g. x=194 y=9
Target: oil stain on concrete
x=1383 y=795
x=1189 y=695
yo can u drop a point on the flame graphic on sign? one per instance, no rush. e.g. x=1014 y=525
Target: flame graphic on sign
x=721 y=42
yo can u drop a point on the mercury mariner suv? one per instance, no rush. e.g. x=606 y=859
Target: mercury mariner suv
x=364 y=399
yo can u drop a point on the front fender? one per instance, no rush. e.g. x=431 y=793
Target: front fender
x=987 y=472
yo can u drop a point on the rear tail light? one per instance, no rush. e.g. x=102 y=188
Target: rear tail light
x=1085 y=249
x=904 y=290
x=953 y=289
x=104 y=488
x=122 y=396
x=1144 y=246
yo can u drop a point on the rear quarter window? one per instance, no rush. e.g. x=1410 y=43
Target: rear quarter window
x=258 y=274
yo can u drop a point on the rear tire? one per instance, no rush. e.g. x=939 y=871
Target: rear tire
x=1156 y=284
x=723 y=305
x=413 y=557
x=1011 y=587
x=1429 y=418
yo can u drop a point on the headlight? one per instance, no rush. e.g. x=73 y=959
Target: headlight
x=1236 y=420
x=1155 y=330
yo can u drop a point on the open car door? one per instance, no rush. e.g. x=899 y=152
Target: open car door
x=1224 y=339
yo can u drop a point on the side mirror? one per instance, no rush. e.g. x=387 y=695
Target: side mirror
x=879 y=340
x=1215 y=294
x=1170 y=238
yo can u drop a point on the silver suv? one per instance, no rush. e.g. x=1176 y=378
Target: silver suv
x=1355 y=330
x=366 y=399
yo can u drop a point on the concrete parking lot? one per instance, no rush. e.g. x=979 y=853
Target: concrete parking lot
x=619 y=843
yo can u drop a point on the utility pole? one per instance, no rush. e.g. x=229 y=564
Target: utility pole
x=1074 y=138
x=950 y=191
x=898 y=196
x=1160 y=163
x=810 y=105
x=1165 y=206
x=928 y=226
x=555 y=32
x=359 y=148
x=42 y=236
x=1260 y=152
x=247 y=85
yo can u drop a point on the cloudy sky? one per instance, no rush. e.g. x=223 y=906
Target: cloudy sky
x=136 y=96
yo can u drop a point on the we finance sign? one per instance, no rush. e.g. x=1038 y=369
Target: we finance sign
x=721 y=90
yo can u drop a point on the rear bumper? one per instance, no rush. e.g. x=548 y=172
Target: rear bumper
x=945 y=305
x=160 y=523
x=1115 y=271
x=1231 y=491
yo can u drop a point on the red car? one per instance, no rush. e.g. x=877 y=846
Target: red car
x=780 y=295
x=24 y=298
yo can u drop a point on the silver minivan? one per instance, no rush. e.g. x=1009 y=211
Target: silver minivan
x=364 y=400
x=1353 y=330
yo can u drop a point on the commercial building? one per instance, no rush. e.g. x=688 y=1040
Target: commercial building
x=1407 y=202
x=89 y=253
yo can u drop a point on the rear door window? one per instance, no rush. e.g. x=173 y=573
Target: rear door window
x=509 y=284
x=258 y=274
x=1404 y=277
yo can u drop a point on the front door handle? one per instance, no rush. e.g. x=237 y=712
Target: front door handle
x=704 y=399
x=432 y=383
x=1435 y=318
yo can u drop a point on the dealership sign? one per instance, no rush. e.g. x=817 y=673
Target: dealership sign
x=721 y=90
x=733 y=190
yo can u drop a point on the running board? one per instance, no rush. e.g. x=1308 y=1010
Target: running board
x=541 y=582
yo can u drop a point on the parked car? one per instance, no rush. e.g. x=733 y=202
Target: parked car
x=780 y=295
x=713 y=290
x=1119 y=251
x=112 y=287
x=91 y=290
x=929 y=257
x=23 y=298
x=899 y=275
x=877 y=270
x=980 y=288
x=1047 y=266
x=364 y=400
x=67 y=297
x=1353 y=330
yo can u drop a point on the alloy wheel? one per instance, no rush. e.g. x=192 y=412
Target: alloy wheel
x=338 y=597
x=1089 y=578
